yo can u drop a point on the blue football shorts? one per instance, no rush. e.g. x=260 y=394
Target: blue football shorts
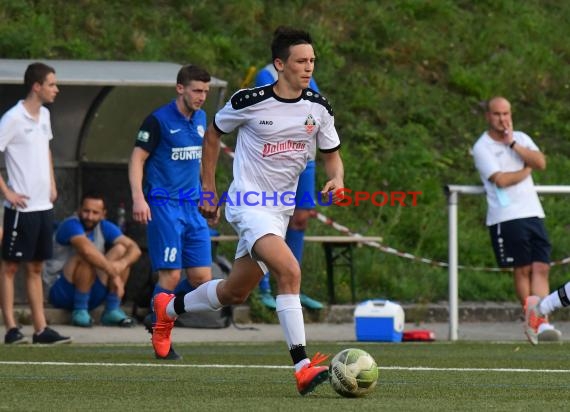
x=62 y=294
x=178 y=236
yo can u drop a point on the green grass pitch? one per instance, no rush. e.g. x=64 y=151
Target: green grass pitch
x=439 y=376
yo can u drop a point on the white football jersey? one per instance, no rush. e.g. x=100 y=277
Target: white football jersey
x=25 y=143
x=273 y=144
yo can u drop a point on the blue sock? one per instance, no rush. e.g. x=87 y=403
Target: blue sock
x=157 y=289
x=81 y=300
x=296 y=241
x=183 y=287
x=264 y=285
x=112 y=302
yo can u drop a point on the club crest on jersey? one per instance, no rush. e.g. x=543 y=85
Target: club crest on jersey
x=143 y=136
x=201 y=130
x=310 y=124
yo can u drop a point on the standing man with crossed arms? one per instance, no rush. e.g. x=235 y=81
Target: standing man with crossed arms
x=505 y=159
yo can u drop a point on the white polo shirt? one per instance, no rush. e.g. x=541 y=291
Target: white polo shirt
x=25 y=143
x=513 y=202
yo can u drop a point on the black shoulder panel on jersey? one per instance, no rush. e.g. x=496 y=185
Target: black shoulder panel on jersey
x=247 y=97
x=316 y=97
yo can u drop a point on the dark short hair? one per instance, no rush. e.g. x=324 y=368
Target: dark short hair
x=36 y=73
x=192 y=72
x=285 y=37
x=92 y=194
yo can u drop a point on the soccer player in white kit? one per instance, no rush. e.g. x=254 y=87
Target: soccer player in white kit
x=276 y=124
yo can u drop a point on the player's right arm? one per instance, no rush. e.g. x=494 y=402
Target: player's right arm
x=210 y=154
x=506 y=179
x=8 y=129
x=490 y=169
x=141 y=209
x=148 y=138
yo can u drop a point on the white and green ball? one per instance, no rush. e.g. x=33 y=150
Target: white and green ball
x=353 y=373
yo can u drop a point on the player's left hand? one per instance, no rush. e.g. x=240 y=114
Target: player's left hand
x=210 y=208
x=331 y=188
x=215 y=220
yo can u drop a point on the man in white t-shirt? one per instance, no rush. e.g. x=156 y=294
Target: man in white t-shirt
x=25 y=134
x=505 y=160
x=276 y=125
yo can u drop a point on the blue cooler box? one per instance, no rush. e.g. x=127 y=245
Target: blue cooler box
x=379 y=320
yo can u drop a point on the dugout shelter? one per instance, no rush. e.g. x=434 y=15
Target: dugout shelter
x=95 y=118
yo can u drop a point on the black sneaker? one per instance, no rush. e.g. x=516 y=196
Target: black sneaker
x=50 y=337
x=15 y=337
x=172 y=355
x=147 y=322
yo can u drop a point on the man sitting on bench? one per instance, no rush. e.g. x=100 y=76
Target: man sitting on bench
x=91 y=264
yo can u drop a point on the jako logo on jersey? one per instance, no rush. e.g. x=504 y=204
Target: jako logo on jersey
x=287 y=146
x=186 y=153
x=310 y=124
x=267 y=122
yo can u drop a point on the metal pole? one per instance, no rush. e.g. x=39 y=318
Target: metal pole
x=452 y=199
x=453 y=192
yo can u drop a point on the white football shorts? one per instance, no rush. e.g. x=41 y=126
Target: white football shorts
x=251 y=224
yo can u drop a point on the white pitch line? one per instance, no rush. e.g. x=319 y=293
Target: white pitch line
x=169 y=365
x=143 y=365
x=516 y=370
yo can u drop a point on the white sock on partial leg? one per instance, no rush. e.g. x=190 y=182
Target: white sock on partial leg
x=290 y=316
x=552 y=302
x=203 y=298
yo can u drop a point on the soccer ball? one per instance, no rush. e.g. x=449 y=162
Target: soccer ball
x=353 y=373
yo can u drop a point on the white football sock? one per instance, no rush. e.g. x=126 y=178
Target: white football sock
x=552 y=302
x=203 y=298
x=290 y=316
x=299 y=365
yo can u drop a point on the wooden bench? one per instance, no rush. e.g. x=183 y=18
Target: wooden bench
x=338 y=252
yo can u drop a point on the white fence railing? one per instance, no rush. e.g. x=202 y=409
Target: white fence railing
x=453 y=192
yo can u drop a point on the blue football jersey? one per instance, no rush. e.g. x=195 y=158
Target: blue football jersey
x=174 y=143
